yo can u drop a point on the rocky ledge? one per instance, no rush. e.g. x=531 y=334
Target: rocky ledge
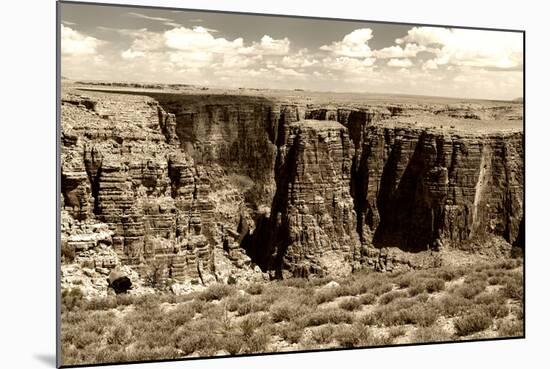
x=186 y=189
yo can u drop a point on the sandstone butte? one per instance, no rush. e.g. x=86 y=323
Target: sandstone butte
x=251 y=185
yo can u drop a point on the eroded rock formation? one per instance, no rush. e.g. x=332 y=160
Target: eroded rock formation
x=206 y=186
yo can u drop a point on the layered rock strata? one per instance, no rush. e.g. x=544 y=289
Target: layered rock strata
x=200 y=183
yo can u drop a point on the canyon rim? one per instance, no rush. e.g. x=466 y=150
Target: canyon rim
x=238 y=184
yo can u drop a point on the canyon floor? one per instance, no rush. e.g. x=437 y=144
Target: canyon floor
x=202 y=222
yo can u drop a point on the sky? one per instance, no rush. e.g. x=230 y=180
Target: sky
x=112 y=43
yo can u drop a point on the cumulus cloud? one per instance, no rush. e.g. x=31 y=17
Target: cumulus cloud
x=75 y=43
x=471 y=48
x=299 y=60
x=348 y=65
x=198 y=39
x=409 y=51
x=426 y=60
x=354 y=44
x=267 y=46
x=401 y=63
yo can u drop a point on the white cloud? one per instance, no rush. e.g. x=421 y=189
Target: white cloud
x=402 y=63
x=472 y=48
x=426 y=35
x=395 y=51
x=237 y=61
x=75 y=43
x=288 y=72
x=354 y=44
x=132 y=54
x=191 y=59
x=299 y=60
x=267 y=46
x=145 y=40
x=429 y=65
x=199 y=39
x=348 y=65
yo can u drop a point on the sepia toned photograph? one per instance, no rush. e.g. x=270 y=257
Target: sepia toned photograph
x=239 y=184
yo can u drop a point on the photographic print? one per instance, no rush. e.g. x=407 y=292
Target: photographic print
x=237 y=184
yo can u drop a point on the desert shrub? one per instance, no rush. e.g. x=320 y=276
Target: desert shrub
x=181 y=314
x=405 y=311
x=381 y=288
x=295 y=282
x=197 y=340
x=217 y=291
x=434 y=285
x=423 y=297
x=368 y=319
x=510 y=328
x=86 y=338
x=472 y=322
x=233 y=303
x=252 y=306
x=478 y=276
x=358 y=335
x=416 y=289
x=470 y=290
x=347 y=336
x=512 y=289
x=119 y=335
x=250 y=324
x=395 y=332
x=350 y=304
x=496 y=310
x=423 y=315
x=367 y=299
x=232 y=343
x=429 y=334
x=488 y=298
x=508 y=264
x=287 y=311
x=257 y=341
x=110 y=354
x=324 y=316
x=255 y=289
x=446 y=275
x=453 y=305
x=71 y=298
x=323 y=334
x=390 y=296
x=100 y=303
x=326 y=294
x=404 y=280
x=291 y=332
x=67 y=253
x=494 y=280
x=198 y=305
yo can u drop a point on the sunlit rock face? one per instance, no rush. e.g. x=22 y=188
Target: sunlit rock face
x=209 y=186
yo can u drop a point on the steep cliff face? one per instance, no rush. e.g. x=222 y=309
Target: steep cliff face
x=419 y=189
x=193 y=182
x=311 y=227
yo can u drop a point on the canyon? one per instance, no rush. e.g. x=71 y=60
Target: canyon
x=193 y=187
